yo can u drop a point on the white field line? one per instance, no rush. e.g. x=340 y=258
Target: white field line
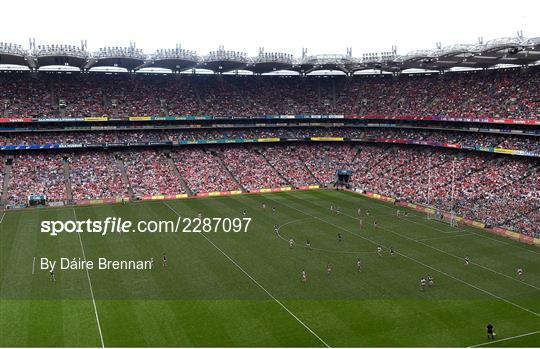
x=485 y=236
x=445 y=252
x=33 y=264
x=411 y=258
x=90 y=284
x=444 y=237
x=256 y=282
x=504 y=339
x=315 y=248
x=2 y=218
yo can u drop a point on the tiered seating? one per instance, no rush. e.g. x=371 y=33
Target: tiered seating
x=498 y=93
x=2 y=169
x=324 y=160
x=150 y=173
x=519 y=142
x=285 y=160
x=95 y=176
x=202 y=171
x=251 y=169
x=498 y=190
x=36 y=174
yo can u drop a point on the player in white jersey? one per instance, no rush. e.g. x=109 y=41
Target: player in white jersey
x=359 y=265
x=467 y=261
x=304 y=276
x=52 y=277
x=430 y=281
x=291 y=243
x=328 y=268
x=422 y=283
x=308 y=244
x=519 y=272
x=379 y=251
x=359 y=212
x=264 y=206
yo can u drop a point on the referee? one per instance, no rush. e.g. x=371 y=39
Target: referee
x=490 y=333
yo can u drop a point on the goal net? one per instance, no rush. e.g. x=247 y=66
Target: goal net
x=433 y=213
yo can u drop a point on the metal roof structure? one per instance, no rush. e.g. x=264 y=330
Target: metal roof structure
x=174 y=59
x=507 y=50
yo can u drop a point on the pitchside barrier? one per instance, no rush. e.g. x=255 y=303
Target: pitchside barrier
x=420 y=208
x=424 y=209
x=485 y=119
x=204 y=194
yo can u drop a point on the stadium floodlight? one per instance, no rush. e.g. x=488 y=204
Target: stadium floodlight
x=389 y=60
x=176 y=54
x=12 y=49
x=274 y=57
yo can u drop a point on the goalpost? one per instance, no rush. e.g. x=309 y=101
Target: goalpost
x=434 y=213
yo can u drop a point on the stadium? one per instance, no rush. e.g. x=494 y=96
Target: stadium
x=172 y=199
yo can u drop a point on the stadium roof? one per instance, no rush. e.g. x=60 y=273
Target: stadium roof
x=507 y=50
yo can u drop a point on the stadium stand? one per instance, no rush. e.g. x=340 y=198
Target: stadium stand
x=149 y=173
x=36 y=174
x=203 y=171
x=95 y=175
x=510 y=93
x=496 y=189
x=499 y=191
x=287 y=163
x=2 y=164
x=250 y=168
x=521 y=142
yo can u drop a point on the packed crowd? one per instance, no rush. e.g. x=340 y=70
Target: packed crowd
x=520 y=142
x=287 y=160
x=2 y=164
x=497 y=190
x=323 y=161
x=95 y=175
x=150 y=173
x=498 y=93
x=251 y=168
x=203 y=171
x=36 y=174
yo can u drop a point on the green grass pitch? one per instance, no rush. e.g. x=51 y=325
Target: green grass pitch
x=245 y=289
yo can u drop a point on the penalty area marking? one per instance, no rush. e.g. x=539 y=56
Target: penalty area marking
x=406 y=256
x=443 y=251
x=255 y=282
x=483 y=235
x=504 y=339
